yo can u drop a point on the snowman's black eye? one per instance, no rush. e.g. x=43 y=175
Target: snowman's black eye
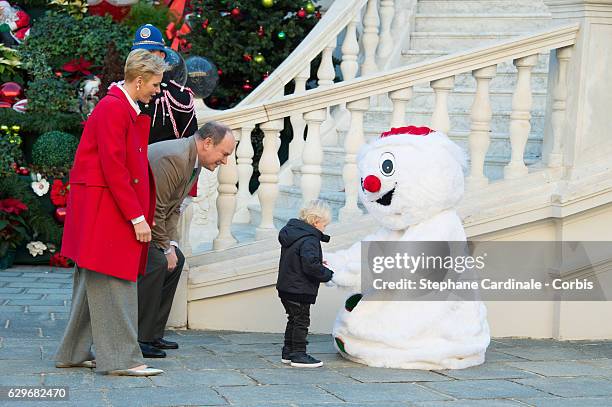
x=387 y=164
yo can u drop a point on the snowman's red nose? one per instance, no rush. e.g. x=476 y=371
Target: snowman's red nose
x=371 y=183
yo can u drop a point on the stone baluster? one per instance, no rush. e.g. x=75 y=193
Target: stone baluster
x=400 y=17
x=555 y=157
x=244 y=158
x=350 y=51
x=354 y=140
x=440 y=120
x=313 y=156
x=520 y=127
x=326 y=72
x=385 y=46
x=480 y=138
x=399 y=99
x=226 y=203
x=269 y=167
x=298 y=124
x=370 y=38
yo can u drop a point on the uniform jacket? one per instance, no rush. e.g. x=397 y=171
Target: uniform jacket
x=301 y=268
x=110 y=184
x=173 y=163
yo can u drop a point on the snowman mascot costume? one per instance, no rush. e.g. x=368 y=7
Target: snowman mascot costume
x=411 y=183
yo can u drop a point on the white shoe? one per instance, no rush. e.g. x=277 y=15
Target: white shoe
x=147 y=371
x=285 y=361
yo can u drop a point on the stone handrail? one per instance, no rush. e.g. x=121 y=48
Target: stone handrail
x=312 y=107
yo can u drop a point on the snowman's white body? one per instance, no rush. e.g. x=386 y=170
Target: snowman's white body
x=426 y=185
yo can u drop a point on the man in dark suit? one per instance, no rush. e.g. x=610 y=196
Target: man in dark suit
x=176 y=165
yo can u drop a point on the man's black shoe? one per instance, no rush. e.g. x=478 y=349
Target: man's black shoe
x=150 y=351
x=161 y=343
x=303 y=359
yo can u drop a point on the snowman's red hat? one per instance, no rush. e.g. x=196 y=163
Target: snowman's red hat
x=411 y=130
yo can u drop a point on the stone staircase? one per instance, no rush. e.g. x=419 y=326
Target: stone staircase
x=442 y=27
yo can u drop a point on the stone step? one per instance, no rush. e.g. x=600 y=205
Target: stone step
x=455 y=22
x=453 y=41
x=331 y=177
x=459 y=119
x=475 y=6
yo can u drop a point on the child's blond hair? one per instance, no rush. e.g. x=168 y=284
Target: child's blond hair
x=314 y=211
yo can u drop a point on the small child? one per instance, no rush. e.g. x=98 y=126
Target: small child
x=300 y=272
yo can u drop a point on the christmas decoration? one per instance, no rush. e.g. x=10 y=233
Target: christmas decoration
x=310 y=8
x=202 y=76
x=74 y=8
x=117 y=9
x=57 y=260
x=23 y=171
x=77 y=68
x=235 y=12
x=177 y=70
x=88 y=95
x=267 y=27
x=40 y=186
x=247 y=87
x=219 y=72
x=59 y=193
x=36 y=248
x=414 y=198
x=60 y=215
x=11 y=92
x=318 y=15
x=210 y=30
x=266 y=75
x=301 y=13
x=21 y=106
x=14 y=24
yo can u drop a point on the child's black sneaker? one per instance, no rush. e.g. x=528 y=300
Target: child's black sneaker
x=304 y=360
x=286 y=355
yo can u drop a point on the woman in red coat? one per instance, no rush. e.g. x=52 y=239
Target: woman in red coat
x=110 y=207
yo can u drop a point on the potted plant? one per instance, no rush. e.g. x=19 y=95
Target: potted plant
x=13 y=229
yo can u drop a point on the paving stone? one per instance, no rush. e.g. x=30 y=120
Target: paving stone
x=20 y=296
x=10 y=290
x=495 y=356
x=368 y=374
x=110 y=382
x=5 y=273
x=571 y=387
x=547 y=353
x=471 y=403
x=289 y=375
x=66 y=297
x=377 y=392
x=30 y=352
x=31 y=301
x=602 y=363
x=246 y=361
x=34 y=284
x=160 y=396
x=484 y=389
x=63 y=291
x=26 y=367
x=17 y=279
x=321 y=347
x=20 y=380
x=598 y=351
x=75 y=379
x=568 y=402
x=561 y=368
x=277 y=393
x=251 y=338
x=53 y=276
x=48 y=308
x=89 y=398
x=488 y=371
x=217 y=377
x=360 y=404
x=204 y=362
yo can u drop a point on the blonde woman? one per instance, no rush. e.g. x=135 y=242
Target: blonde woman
x=107 y=229
x=300 y=272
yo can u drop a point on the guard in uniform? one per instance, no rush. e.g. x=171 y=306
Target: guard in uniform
x=172 y=116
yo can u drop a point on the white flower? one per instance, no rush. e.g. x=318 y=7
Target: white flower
x=40 y=185
x=36 y=248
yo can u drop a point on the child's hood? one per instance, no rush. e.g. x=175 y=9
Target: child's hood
x=296 y=229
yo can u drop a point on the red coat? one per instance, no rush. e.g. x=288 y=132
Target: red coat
x=110 y=184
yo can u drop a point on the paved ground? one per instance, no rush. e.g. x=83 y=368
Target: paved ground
x=243 y=369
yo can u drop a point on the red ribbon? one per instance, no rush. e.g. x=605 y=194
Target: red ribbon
x=176 y=35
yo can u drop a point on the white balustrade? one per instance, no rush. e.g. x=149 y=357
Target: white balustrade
x=298 y=124
x=399 y=98
x=350 y=175
x=313 y=156
x=244 y=159
x=385 y=46
x=440 y=120
x=226 y=203
x=350 y=51
x=520 y=127
x=555 y=157
x=370 y=38
x=480 y=128
x=269 y=167
x=326 y=72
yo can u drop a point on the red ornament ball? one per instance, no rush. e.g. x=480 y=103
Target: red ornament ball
x=205 y=24
x=235 y=12
x=318 y=15
x=219 y=72
x=301 y=13
x=213 y=102
x=247 y=57
x=23 y=171
x=247 y=87
x=11 y=92
x=60 y=215
x=261 y=32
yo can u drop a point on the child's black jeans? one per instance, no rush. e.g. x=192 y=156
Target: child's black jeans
x=298 y=321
